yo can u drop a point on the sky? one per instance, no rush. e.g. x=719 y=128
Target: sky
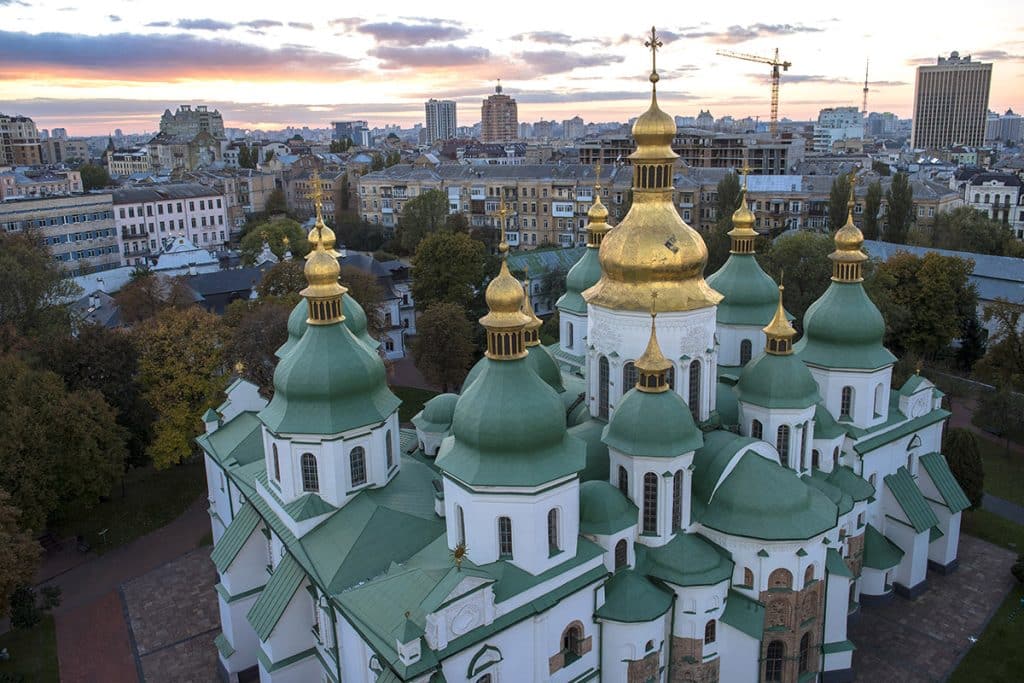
x=93 y=67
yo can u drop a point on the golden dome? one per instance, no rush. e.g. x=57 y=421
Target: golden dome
x=597 y=216
x=654 y=130
x=598 y=213
x=848 y=257
x=329 y=240
x=779 y=331
x=504 y=301
x=322 y=271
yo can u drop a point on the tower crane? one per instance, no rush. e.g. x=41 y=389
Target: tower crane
x=775 y=64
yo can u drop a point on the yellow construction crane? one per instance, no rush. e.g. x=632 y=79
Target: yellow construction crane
x=775 y=64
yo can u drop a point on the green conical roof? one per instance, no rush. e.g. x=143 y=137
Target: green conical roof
x=509 y=430
x=750 y=293
x=545 y=366
x=355 y=320
x=581 y=277
x=652 y=424
x=843 y=329
x=774 y=381
x=328 y=383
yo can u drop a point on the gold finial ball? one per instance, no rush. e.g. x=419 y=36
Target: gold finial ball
x=504 y=293
x=849 y=238
x=655 y=77
x=743 y=217
x=329 y=238
x=322 y=269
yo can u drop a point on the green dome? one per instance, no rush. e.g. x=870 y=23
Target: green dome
x=604 y=510
x=589 y=430
x=647 y=424
x=355 y=320
x=632 y=598
x=750 y=294
x=686 y=560
x=545 y=366
x=328 y=383
x=843 y=329
x=726 y=404
x=762 y=499
x=296 y=327
x=473 y=373
x=508 y=429
x=581 y=277
x=773 y=381
x=436 y=415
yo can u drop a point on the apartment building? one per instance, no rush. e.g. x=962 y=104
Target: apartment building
x=19 y=141
x=146 y=217
x=79 y=229
x=1000 y=196
x=63 y=150
x=951 y=102
x=125 y=162
x=27 y=183
x=440 y=116
x=499 y=118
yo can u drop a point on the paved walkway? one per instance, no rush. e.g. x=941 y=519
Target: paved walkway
x=963 y=409
x=404 y=373
x=1004 y=508
x=911 y=641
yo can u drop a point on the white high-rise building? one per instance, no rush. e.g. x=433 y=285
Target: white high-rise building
x=837 y=123
x=441 y=120
x=951 y=102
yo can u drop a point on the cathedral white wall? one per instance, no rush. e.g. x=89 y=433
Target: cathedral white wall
x=830 y=452
x=837 y=607
x=781 y=555
x=608 y=543
x=430 y=442
x=239 y=632
x=944 y=549
x=731 y=336
x=621 y=337
x=913 y=568
x=771 y=419
x=740 y=655
x=872 y=581
x=636 y=468
x=695 y=607
x=572 y=333
x=249 y=569
x=624 y=643
x=293 y=633
x=355 y=655
x=870 y=400
x=218 y=493
x=303 y=671
x=242 y=396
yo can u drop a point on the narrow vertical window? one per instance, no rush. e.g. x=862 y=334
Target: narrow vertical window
x=602 y=388
x=629 y=376
x=357 y=466
x=568 y=335
x=624 y=481
x=756 y=430
x=694 y=401
x=650 y=503
x=805 y=644
x=277 y=465
x=773 y=661
x=621 y=555
x=803 y=445
x=389 y=450
x=310 y=475
x=677 y=500
x=504 y=537
x=846 y=403
x=709 y=632
x=553 y=531
x=746 y=349
x=782 y=444
x=460 y=524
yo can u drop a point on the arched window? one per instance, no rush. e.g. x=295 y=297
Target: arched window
x=805 y=644
x=815 y=459
x=649 y=646
x=621 y=555
x=460 y=525
x=746 y=348
x=624 y=481
x=629 y=376
x=835 y=458
x=357 y=465
x=277 y=465
x=389 y=449
x=846 y=403
x=670 y=378
x=977 y=198
x=677 y=500
x=572 y=641
x=780 y=578
x=988 y=198
x=602 y=388
x=553 y=531
x=709 y=632
x=756 y=429
x=650 y=503
x=773 y=661
x=694 y=401
x=310 y=476
x=568 y=335
x=803 y=445
x=748 y=577
x=504 y=538
x=782 y=444
x=809 y=575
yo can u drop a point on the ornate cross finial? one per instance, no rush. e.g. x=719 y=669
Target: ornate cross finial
x=745 y=172
x=317 y=195
x=653 y=44
x=597 y=176
x=502 y=214
x=853 y=186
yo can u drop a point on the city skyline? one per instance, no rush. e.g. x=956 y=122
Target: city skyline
x=95 y=70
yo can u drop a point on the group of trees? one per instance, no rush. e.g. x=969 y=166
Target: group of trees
x=248 y=157
x=274 y=232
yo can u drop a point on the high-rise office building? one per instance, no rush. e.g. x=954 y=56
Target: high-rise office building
x=499 y=118
x=356 y=131
x=19 y=141
x=441 y=123
x=951 y=102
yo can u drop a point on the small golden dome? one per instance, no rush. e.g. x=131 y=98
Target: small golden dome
x=743 y=218
x=322 y=271
x=504 y=298
x=848 y=258
x=652 y=366
x=329 y=239
x=598 y=212
x=654 y=130
x=779 y=331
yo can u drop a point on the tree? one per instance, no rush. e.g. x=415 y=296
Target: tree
x=339 y=146
x=881 y=168
x=378 y=162
x=269 y=156
x=245 y=159
x=60 y=447
x=283 y=278
x=967 y=229
x=422 y=216
x=33 y=290
x=19 y=552
x=728 y=195
x=94 y=177
x=1004 y=360
x=147 y=294
x=447 y=267
x=181 y=366
x=273 y=232
x=552 y=285
x=872 y=205
x=900 y=198
x=838 y=199
x=717 y=239
x=276 y=202
x=973 y=340
x=366 y=290
x=1018 y=569
x=1000 y=412
x=254 y=331
x=961 y=450
x=443 y=349
x=803 y=257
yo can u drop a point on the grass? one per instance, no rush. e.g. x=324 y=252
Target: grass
x=33 y=653
x=412 y=401
x=997 y=656
x=1004 y=473
x=152 y=498
x=994 y=529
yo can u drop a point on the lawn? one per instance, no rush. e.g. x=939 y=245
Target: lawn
x=998 y=655
x=33 y=653
x=151 y=499
x=994 y=529
x=1004 y=474
x=412 y=401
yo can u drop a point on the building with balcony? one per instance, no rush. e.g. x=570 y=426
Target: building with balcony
x=1000 y=196
x=499 y=118
x=36 y=182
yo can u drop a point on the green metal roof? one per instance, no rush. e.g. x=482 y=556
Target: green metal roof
x=949 y=488
x=744 y=614
x=879 y=552
x=905 y=429
x=223 y=646
x=848 y=481
x=564 y=357
x=308 y=506
x=590 y=432
x=840 y=498
x=761 y=499
x=750 y=294
x=710 y=462
x=841 y=646
x=835 y=564
x=509 y=430
x=843 y=329
x=436 y=416
x=545 y=366
x=774 y=381
x=630 y=598
x=726 y=403
x=235 y=536
x=355 y=321
x=581 y=277
x=238 y=441
x=604 y=510
x=910 y=500
x=686 y=560
x=825 y=426
x=210 y=415
x=268 y=608
x=912 y=385
x=652 y=424
x=328 y=383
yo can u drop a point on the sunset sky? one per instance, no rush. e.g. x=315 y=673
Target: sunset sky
x=119 y=63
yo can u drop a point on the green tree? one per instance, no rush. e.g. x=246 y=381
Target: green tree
x=900 y=214
x=254 y=330
x=728 y=195
x=448 y=266
x=181 y=367
x=366 y=290
x=274 y=232
x=94 y=177
x=276 y=202
x=443 y=348
x=1004 y=359
x=33 y=291
x=245 y=157
x=60 y=447
x=1000 y=412
x=19 y=552
x=872 y=205
x=378 y=162
x=340 y=146
x=973 y=341
x=717 y=238
x=967 y=229
x=392 y=158
x=283 y=278
x=803 y=257
x=880 y=168
x=422 y=216
x=838 y=199
x=147 y=294
x=960 y=446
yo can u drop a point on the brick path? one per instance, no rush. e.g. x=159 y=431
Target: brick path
x=925 y=639
x=404 y=373
x=93 y=643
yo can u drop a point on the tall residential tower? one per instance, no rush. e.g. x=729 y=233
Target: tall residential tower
x=441 y=121
x=499 y=118
x=951 y=102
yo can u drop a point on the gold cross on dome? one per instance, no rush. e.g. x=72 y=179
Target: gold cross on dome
x=597 y=175
x=745 y=172
x=317 y=195
x=853 y=185
x=653 y=44
x=502 y=214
